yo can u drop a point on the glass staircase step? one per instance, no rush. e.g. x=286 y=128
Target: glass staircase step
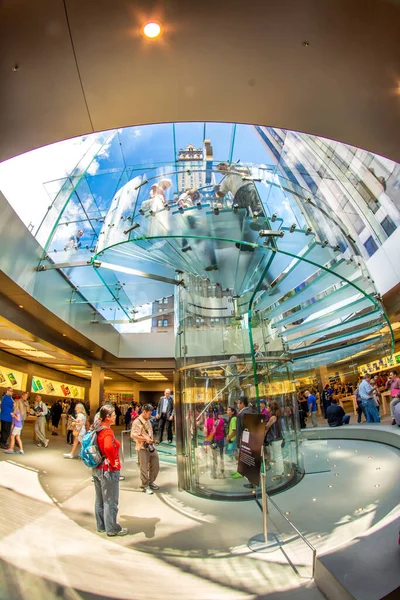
x=323 y=282
x=298 y=272
x=346 y=293
x=341 y=326
x=332 y=356
x=319 y=323
x=354 y=335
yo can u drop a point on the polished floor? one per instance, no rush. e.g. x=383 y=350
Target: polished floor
x=180 y=545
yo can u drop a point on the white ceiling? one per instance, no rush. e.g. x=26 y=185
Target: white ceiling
x=217 y=61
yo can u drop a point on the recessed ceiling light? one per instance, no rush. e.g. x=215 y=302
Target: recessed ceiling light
x=37 y=353
x=16 y=344
x=336 y=474
x=330 y=486
x=314 y=499
x=21 y=305
x=64 y=335
x=369 y=457
x=152 y=30
x=287 y=513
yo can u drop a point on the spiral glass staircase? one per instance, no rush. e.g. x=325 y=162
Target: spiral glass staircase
x=268 y=284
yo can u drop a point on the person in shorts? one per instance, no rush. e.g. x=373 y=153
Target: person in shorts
x=16 y=429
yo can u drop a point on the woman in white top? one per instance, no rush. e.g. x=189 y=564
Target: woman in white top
x=79 y=429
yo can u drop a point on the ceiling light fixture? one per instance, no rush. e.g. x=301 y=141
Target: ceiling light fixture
x=37 y=354
x=16 y=344
x=21 y=305
x=152 y=30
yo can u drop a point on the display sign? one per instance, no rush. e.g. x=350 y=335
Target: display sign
x=57 y=388
x=382 y=364
x=12 y=378
x=250 y=447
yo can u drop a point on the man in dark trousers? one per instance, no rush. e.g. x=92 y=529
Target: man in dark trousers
x=165 y=415
x=243 y=408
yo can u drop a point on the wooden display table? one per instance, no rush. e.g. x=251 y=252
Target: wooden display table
x=352 y=399
x=386 y=397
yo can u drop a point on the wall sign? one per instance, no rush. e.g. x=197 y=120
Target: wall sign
x=40 y=385
x=12 y=378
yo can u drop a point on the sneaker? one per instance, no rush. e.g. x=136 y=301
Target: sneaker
x=211 y=268
x=236 y=475
x=53 y=433
x=169 y=441
x=67 y=455
x=101 y=531
x=46 y=443
x=8 y=451
x=186 y=248
x=148 y=491
x=39 y=445
x=122 y=478
x=393 y=422
x=154 y=486
x=122 y=531
x=20 y=452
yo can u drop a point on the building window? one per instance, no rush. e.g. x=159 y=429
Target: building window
x=165 y=322
x=388 y=226
x=159 y=323
x=371 y=246
x=165 y=300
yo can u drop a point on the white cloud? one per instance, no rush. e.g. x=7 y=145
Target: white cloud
x=22 y=178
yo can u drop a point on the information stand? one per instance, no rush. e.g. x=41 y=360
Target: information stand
x=251 y=459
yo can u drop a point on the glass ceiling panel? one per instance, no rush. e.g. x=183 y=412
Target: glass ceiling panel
x=130 y=201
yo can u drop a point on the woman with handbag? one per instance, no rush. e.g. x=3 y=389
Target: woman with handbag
x=79 y=429
x=214 y=432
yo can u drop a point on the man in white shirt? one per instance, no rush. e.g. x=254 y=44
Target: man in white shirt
x=238 y=182
x=165 y=415
x=366 y=395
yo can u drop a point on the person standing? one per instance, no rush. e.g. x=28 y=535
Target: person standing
x=142 y=433
x=274 y=438
x=214 y=432
x=231 y=448
x=243 y=408
x=7 y=407
x=56 y=412
x=106 y=476
x=40 y=425
x=393 y=384
x=366 y=395
x=79 y=429
x=16 y=429
x=312 y=406
x=165 y=412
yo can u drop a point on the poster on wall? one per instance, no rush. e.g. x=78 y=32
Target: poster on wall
x=250 y=447
x=12 y=378
x=56 y=388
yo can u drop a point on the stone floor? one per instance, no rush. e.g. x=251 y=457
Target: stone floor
x=180 y=544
